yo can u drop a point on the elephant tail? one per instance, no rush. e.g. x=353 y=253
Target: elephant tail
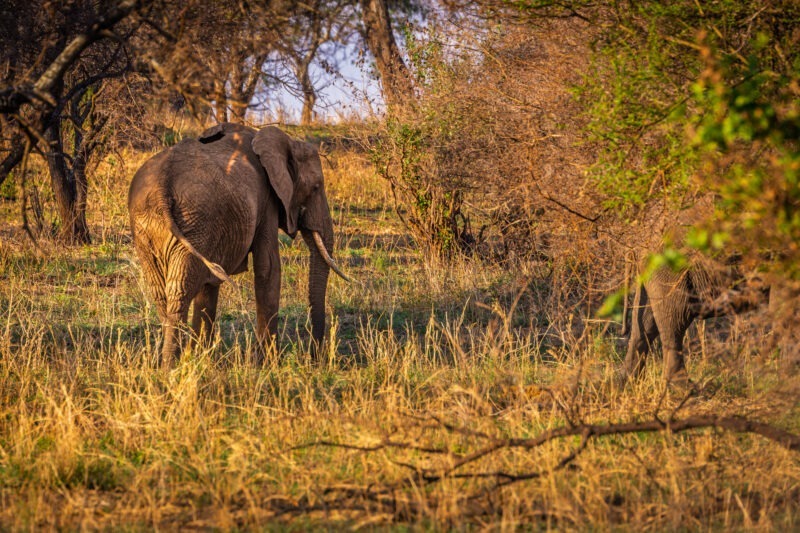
x=215 y=268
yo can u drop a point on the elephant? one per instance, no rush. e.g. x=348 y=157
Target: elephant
x=667 y=303
x=199 y=208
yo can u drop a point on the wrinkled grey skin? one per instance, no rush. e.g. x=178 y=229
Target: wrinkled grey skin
x=201 y=207
x=665 y=306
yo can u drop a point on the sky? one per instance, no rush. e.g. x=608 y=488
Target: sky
x=351 y=92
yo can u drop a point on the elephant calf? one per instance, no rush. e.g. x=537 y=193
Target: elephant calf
x=201 y=207
x=666 y=304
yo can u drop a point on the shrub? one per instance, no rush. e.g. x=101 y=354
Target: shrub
x=493 y=136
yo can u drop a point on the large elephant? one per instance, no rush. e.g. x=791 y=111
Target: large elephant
x=668 y=301
x=199 y=208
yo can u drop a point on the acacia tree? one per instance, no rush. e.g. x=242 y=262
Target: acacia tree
x=241 y=39
x=693 y=100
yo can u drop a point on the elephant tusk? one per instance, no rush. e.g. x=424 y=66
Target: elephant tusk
x=327 y=257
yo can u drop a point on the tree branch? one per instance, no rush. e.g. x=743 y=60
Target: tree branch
x=737 y=424
x=12 y=98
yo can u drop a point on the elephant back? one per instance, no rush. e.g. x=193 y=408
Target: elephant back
x=228 y=132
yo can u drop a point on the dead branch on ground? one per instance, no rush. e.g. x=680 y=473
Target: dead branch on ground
x=394 y=499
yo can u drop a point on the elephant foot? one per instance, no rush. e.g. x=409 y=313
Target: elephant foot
x=674 y=367
x=164 y=363
x=317 y=353
x=266 y=353
x=634 y=363
x=679 y=381
x=170 y=362
x=621 y=377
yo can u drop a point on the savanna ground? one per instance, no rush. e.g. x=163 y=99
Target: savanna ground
x=433 y=371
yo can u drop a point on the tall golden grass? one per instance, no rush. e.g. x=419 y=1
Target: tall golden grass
x=428 y=363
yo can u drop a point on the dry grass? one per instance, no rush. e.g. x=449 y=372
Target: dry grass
x=429 y=364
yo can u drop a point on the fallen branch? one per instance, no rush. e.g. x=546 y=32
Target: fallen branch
x=394 y=499
x=737 y=424
x=373 y=448
x=790 y=441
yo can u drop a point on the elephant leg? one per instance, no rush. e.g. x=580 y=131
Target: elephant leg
x=204 y=312
x=155 y=280
x=267 y=274
x=179 y=292
x=174 y=333
x=644 y=332
x=673 y=317
x=674 y=363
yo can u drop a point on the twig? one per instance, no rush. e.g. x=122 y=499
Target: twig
x=390 y=496
x=375 y=447
x=737 y=424
x=566 y=207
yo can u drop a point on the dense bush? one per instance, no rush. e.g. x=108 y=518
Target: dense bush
x=488 y=158
x=591 y=135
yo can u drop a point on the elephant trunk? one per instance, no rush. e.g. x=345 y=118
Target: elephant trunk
x=319 y=270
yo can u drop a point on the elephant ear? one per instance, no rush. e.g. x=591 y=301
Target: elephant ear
x=214 y=133
x=273 y=148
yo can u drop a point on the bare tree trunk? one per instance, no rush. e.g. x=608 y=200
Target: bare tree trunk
x=238 y=100
x=82 y=153
x=222 y=108
x=244 y=81
x=69 y=189
x=395 y=77
x=238 y=110
x=309 y=96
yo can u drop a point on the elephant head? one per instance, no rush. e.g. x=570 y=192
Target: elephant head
x=294 y=171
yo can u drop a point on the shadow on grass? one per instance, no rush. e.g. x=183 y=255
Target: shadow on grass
x=372 y=242
x=137 y=332
x=58 y=338
x=62 y=273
